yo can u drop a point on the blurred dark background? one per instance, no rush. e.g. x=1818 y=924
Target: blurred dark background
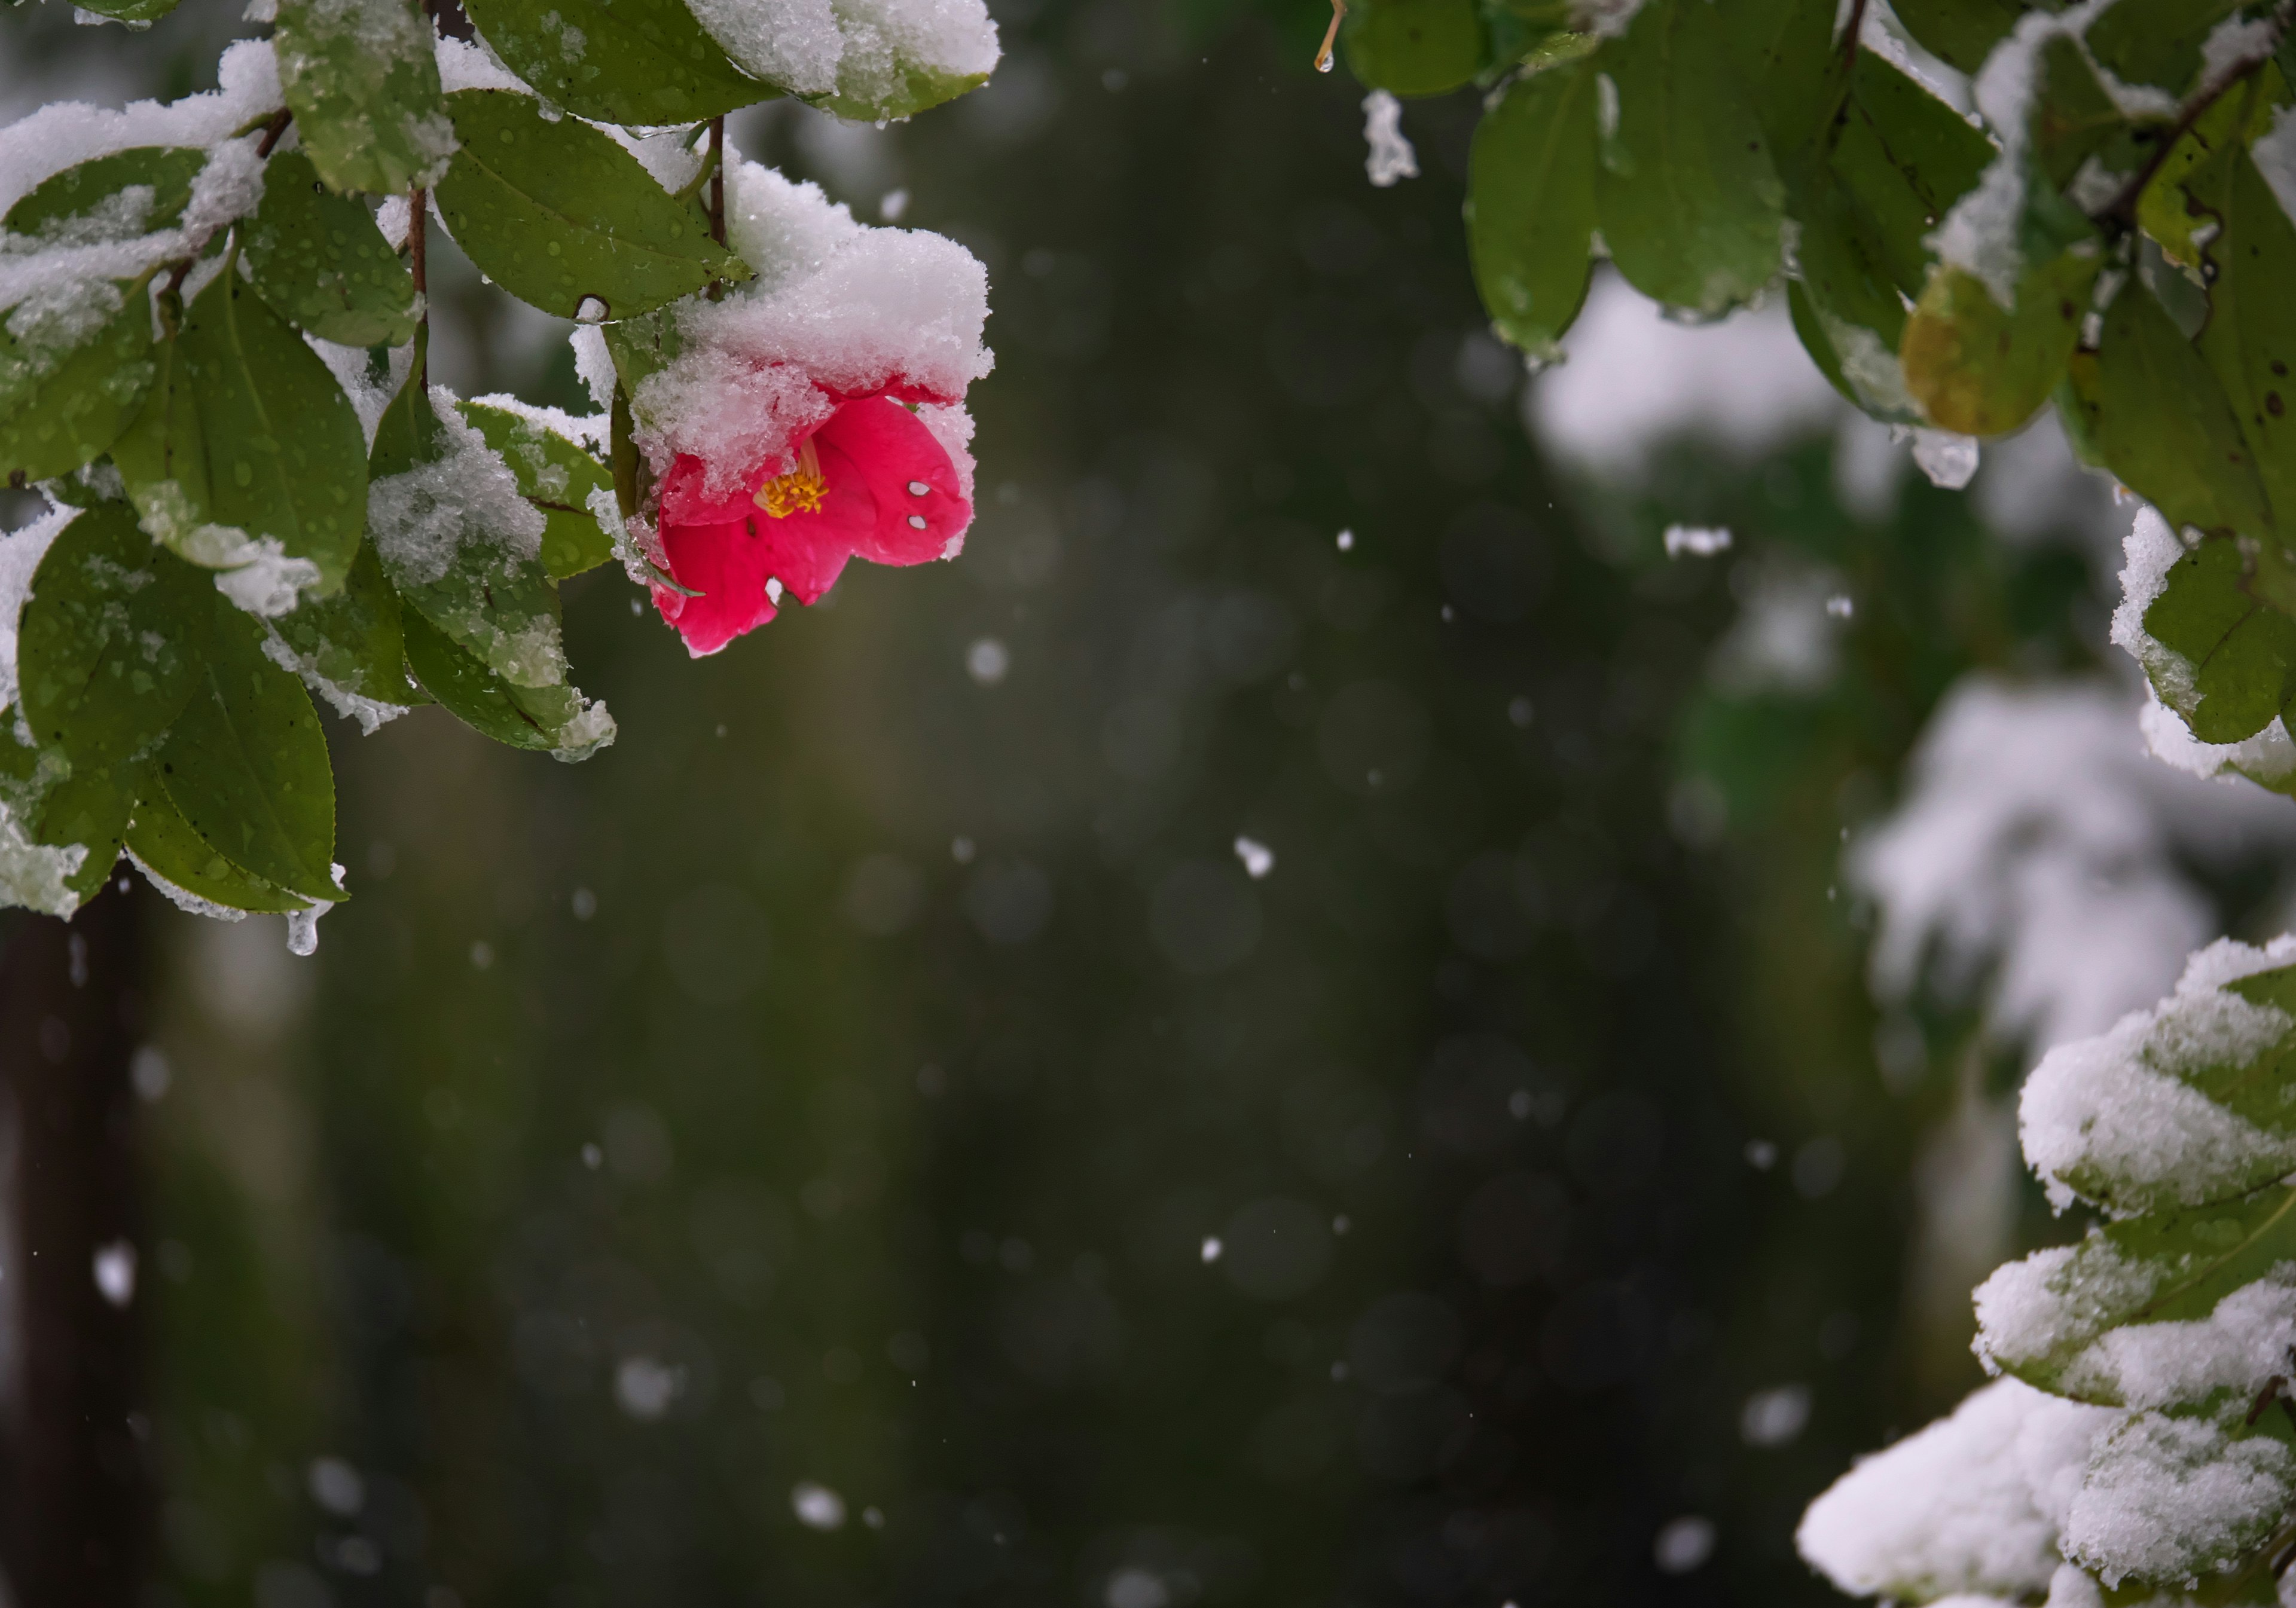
x=868 y=1138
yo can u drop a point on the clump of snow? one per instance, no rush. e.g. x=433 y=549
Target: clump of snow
x=2171 y=1498
x=1389 y=156
x=303 y=924
x=370 y=392
x=2150 y=553
x=346 y=701
x=182 y=897
x=21 y=552
x=2275 y=156
x=594 y=364
x=1699 y=541
x=1980 y=235
x=2038 y=851
x=1948 y=460
x=859 y=50
x=255 y=572
x=2120 y=1109
x=2237 y=1349
x=423 y=518
x=1970 y=1504
x=472 y=64
x=837 y=309
x=2055 y=1302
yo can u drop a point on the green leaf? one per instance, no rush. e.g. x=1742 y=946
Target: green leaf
x=1844 y=300
x=1785 y=50
x=107 y=645
x=1529 y=30
x=1905 y=157
x=248 y=457
x=1414 y=47
x=349 y=649
x=1979 y=369
x=1530 y=206
x=2072 y=118
x=1689 y=202
x=322 y=263
x=2171 y=1267
x=165 y=170
x=363 y=82
x=635 y=62
x=2182 y=206
x=1961 y=33
x=556 y=213
x=2156 y=42
x=2249 y=340
x=556 y=474
x=2239 y=652
x=2157 y=418
x=246 y=765
x=62 y=406
x=166 y=848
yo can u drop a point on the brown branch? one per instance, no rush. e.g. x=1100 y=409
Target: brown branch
x=2122 y=207
x=273 y=130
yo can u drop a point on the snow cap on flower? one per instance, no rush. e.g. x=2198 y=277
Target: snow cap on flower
x=837 y=309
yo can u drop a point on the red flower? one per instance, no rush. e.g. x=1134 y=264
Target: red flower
x=870 y=480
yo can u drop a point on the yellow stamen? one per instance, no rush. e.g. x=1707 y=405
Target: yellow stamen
x=800 y=491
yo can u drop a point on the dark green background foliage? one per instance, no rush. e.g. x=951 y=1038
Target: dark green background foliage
x=903 y=1158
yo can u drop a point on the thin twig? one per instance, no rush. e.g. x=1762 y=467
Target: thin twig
x=418 y=231
x=2122 y=207
x=273 y=130
x=1331 y=36
x=715 y=205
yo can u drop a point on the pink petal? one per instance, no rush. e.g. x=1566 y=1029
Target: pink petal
x=728 y=565
x=894 y=455
x=806 y=552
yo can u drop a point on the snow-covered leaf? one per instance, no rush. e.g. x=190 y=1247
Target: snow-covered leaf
x=464 y=548
x=363 y=82
x=554 y=720
x=2229 y=660
x=348 y=648
x=62 y=405
x=554 y=472
x=88 y=192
